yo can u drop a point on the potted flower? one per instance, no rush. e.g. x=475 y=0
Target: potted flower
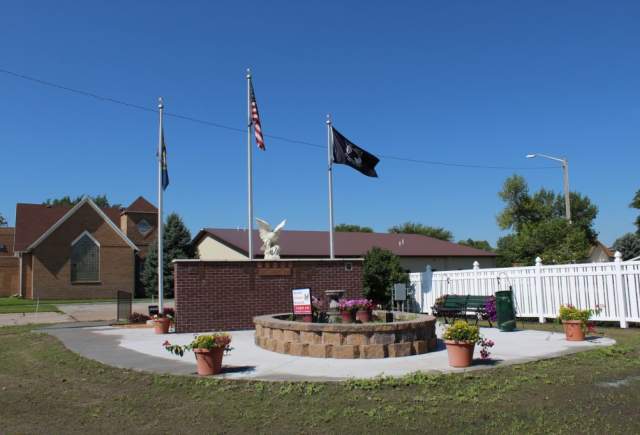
x=575 y=321
x=346 y=310
x=363 y=309
x=208 y=349
x=461 y=339
x=162 y=321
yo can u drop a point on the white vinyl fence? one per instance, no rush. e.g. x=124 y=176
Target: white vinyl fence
x=540 y=290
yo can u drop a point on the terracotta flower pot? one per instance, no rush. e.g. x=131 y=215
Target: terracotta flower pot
x=347 y=316
x=460 y=353
x=573 y=330
x=161 y=325
x=363 y=316
x=209 y=361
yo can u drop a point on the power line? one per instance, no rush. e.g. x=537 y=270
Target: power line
x=227 y=127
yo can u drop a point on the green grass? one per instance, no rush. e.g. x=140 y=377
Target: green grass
x=48 y=389
x=19 y=305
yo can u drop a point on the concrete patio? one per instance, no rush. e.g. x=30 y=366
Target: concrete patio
x=141 y=349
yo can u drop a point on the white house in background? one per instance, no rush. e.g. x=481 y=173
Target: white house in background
x=415 y=251
x=599 y=253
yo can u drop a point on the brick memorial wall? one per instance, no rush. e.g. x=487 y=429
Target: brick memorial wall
x=226 y=295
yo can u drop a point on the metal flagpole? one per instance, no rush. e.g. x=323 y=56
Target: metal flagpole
x=160 y=220
x=330 y=168
x=249 y=168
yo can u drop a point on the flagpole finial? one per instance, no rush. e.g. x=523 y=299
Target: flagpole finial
x=160 y=103
x=328 y=119
x=248 y=73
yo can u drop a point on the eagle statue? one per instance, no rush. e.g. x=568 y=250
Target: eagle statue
x=270 y=238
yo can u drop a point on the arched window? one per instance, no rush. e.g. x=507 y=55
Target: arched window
x=85 y=259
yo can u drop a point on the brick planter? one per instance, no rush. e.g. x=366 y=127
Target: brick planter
x=413 y=336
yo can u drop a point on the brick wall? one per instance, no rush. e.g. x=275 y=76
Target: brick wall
x=9 y=276
x=226 y=295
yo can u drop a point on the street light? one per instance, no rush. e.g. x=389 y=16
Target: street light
x=565 y=175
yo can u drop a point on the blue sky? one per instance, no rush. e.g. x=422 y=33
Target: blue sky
x=468 y=82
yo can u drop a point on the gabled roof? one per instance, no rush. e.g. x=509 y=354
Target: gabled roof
x=346 y=244
x=141 y=205
x=35 y=222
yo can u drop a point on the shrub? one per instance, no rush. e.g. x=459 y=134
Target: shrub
x=569 y=312
x=208 y=341
x=381 y=270
x=138 y=318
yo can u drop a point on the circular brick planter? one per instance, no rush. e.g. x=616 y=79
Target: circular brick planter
x=412 y=336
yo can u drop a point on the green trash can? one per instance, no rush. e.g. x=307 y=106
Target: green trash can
x=505 y=310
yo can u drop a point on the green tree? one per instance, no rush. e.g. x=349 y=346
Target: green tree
x=425 y=230
x=176 y=245
x=539 y=227
x=636 y=204
x=382 y=269
x=478 y=244
x=100 y=200
x=3 y=221
x=628 y=245
x=351 y=228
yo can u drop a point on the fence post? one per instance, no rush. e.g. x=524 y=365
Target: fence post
x=539 y=290
x=476 y=267
x=622 y=299
x=426 y=286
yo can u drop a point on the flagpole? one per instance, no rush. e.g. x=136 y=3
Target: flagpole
x=160 y=220
x=330 y=170
x=249 y=169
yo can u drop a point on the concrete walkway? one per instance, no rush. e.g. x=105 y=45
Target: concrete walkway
x=141 y=349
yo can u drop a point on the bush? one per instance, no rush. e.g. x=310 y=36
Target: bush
x=628 y=245
x=462 y=331
x=569 y=312
x=381 y=270
x=138 y=318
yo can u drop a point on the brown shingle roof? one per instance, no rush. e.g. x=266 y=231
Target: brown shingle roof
x=316 y=244
x=33 y=220
x=141 y=205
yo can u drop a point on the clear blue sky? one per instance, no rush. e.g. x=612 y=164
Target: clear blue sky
x=469 y=82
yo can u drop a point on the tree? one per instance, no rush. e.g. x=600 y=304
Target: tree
x=478 y=244
x=628 y=245
x=3 y=221
x=539 y=227
x=636 y=204
x=425 y=230
x=382 y=269
x=351 y=228
x=176 y=244
x=100 y=200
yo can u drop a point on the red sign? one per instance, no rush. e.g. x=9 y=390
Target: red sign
x=301 y=301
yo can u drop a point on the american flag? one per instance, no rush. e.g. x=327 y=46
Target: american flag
x=255 y=119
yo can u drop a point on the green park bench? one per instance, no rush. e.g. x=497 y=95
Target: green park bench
x=451 y=307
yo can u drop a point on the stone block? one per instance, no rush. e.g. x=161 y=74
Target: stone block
x=266 y=332
x=310 y=337
x=270 y=344
x=298 y=349
x=345 y=351
x=291 y=336
x=406 y=336
x=258 y=330
x=382 y=338
x=399 y=349
x=373 y=351
x=420 y=346
x=356 y=339
x=319 y=350
x=282 y=346
x=334 y=338
x=277 y=334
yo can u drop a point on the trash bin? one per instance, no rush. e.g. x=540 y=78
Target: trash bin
x=505 y=310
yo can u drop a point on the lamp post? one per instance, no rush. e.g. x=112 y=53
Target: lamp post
x=565 y=176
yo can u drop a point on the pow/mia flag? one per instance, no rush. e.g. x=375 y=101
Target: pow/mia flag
x=347 y=153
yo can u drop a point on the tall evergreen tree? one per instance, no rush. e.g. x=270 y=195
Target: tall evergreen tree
x=381 y=270
x=3 y=221
x=636 y=204
x=176 y=245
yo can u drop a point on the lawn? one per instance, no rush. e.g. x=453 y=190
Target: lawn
x=46 y=388
x=18 y=305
